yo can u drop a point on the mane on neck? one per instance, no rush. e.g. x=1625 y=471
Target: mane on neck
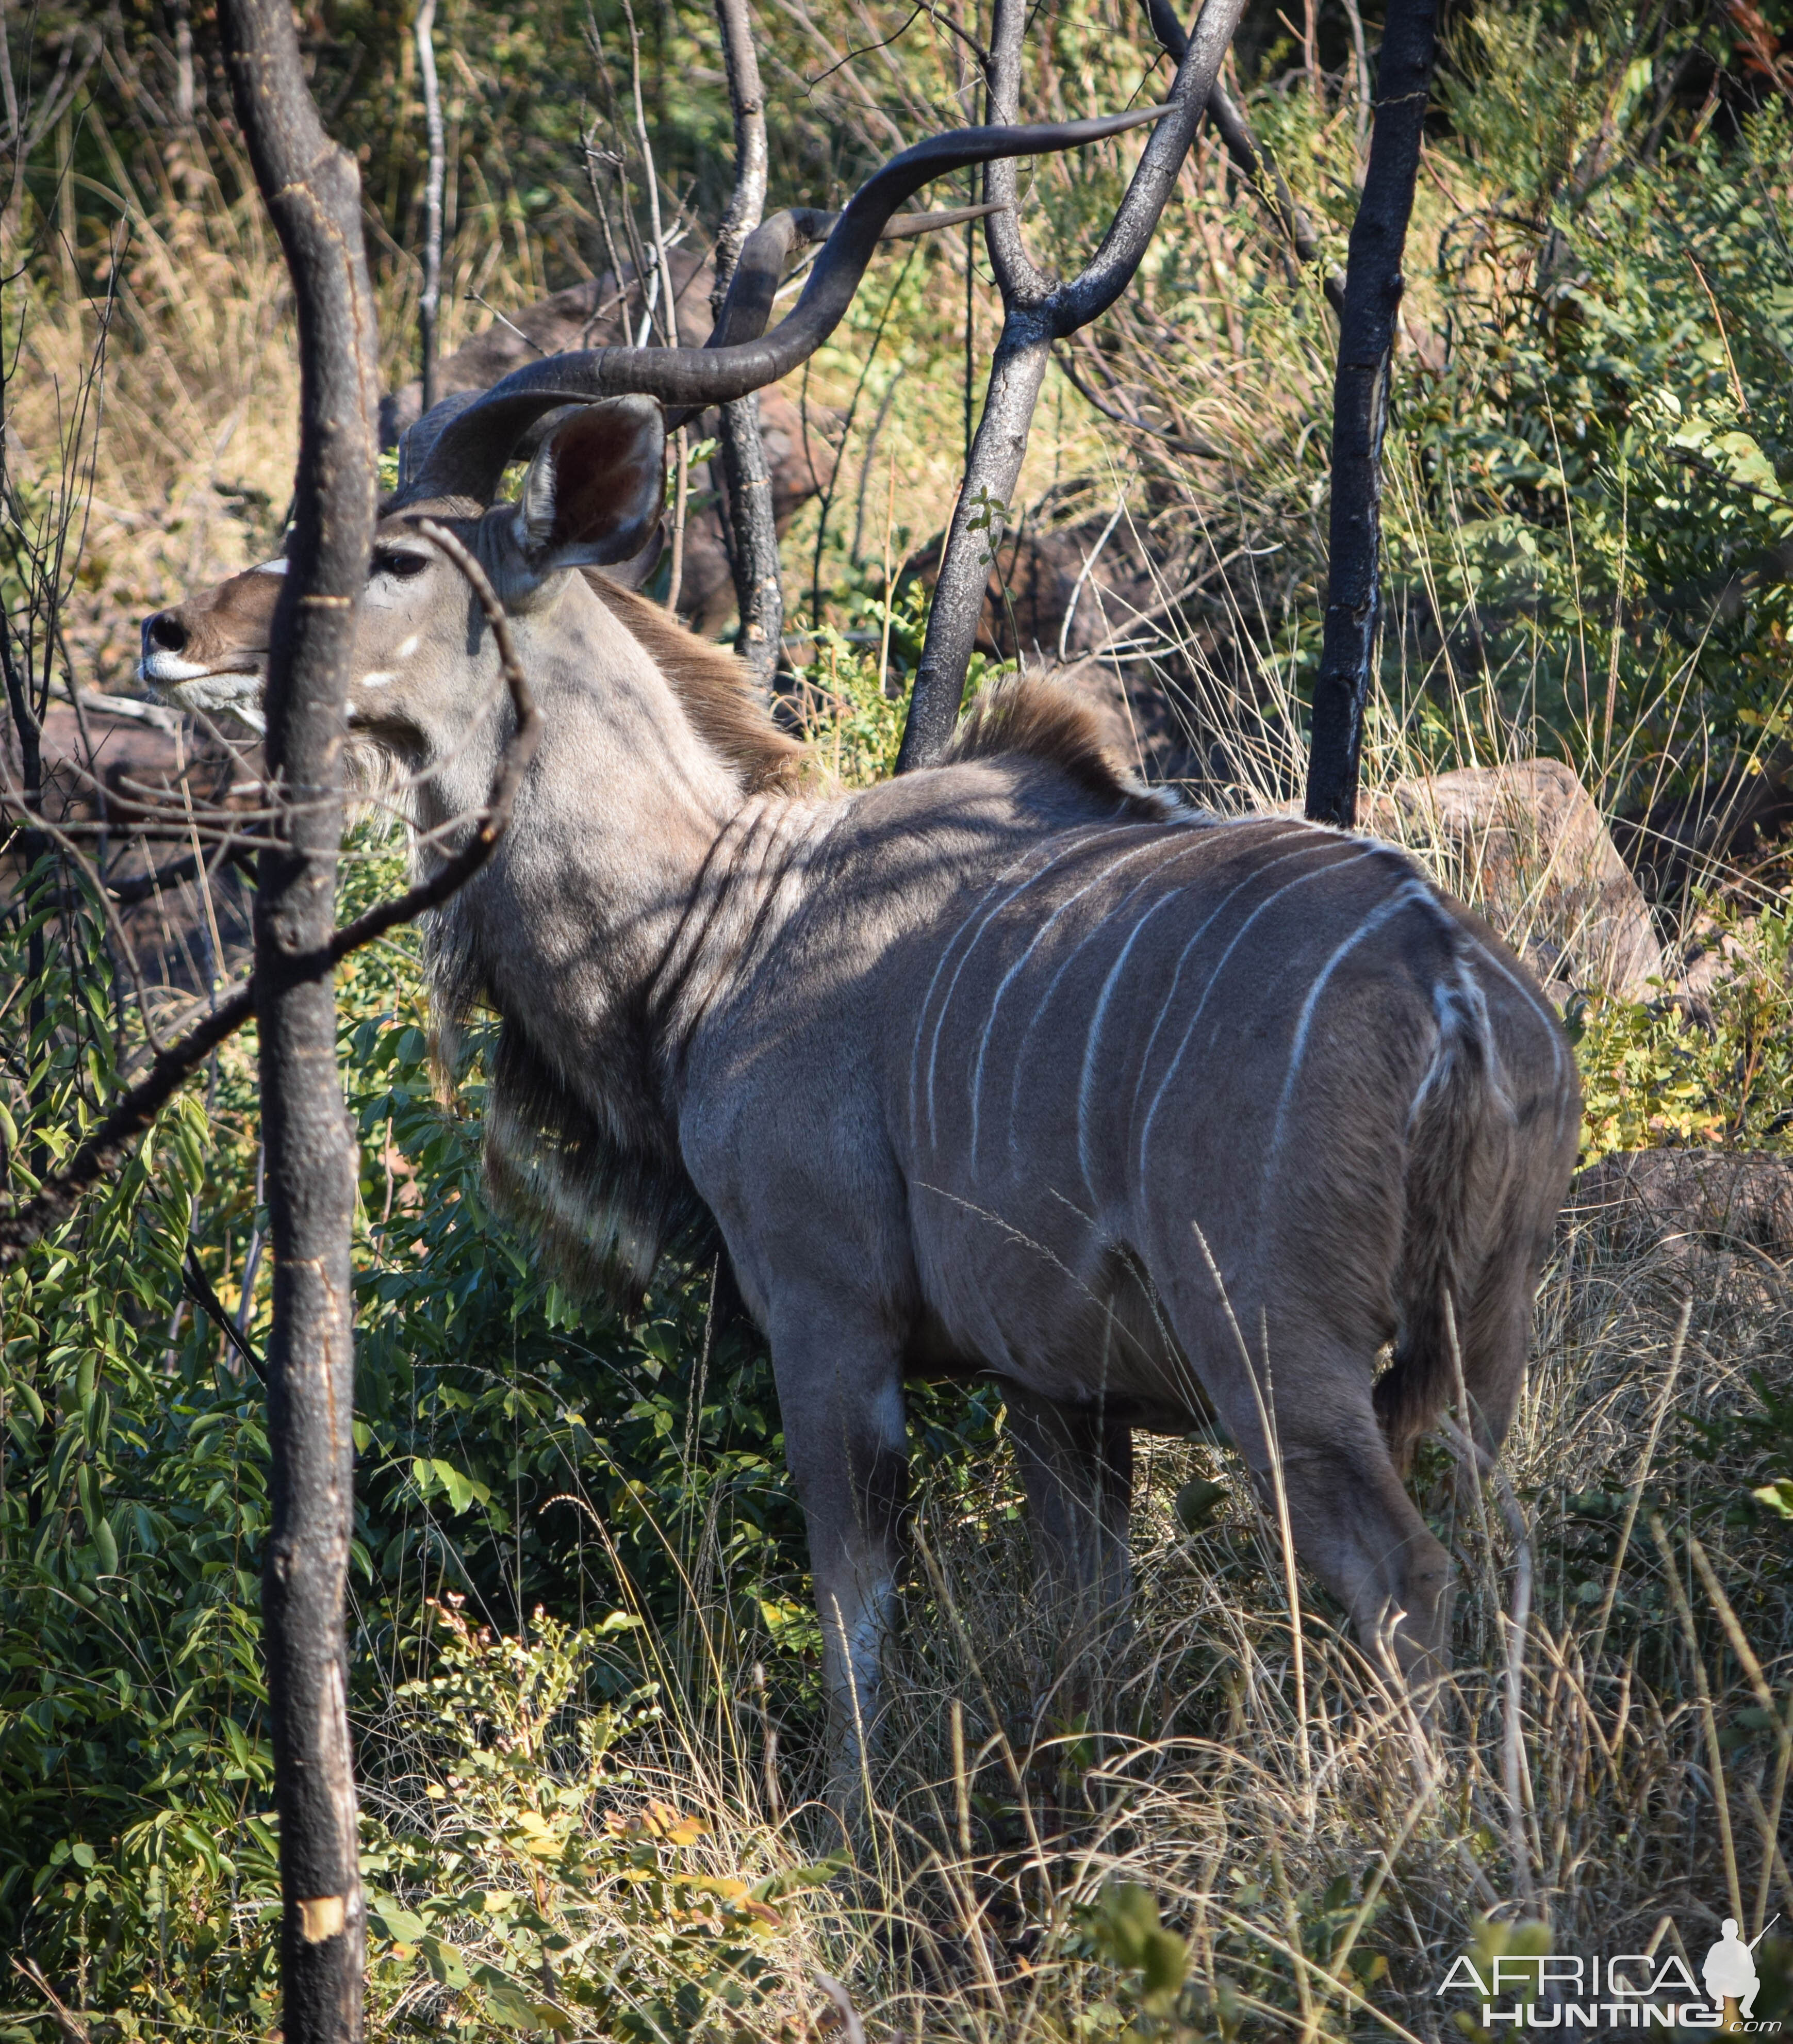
x=711 y=687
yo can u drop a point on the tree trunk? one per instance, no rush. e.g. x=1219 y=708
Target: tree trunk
x=1360 y=411
x=986 y=497
x=429 y=303
x=312 y=192
x=759 y=590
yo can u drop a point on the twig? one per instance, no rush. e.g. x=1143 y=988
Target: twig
x=1179 y=443
x=199 y=1289
x=104 y=1148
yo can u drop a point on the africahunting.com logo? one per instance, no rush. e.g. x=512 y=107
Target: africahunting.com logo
x=1511 y=1979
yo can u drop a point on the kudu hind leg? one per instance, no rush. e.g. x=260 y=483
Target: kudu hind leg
x=840 y=1394
x=1355 y=1526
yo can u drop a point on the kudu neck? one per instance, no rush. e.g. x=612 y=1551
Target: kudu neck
x=619 y=809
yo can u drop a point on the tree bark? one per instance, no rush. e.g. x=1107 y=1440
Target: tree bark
x=1037 y=311
x=312 y=192
x=429 y=303
x=1360 y=411
x=759 y=591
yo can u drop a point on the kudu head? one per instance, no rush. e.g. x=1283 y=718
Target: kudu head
x=423 y=670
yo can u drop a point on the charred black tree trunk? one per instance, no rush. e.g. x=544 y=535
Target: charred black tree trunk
x=1360 y=411
x=312 y=192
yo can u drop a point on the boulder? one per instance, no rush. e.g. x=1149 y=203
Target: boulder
x=1525 y=845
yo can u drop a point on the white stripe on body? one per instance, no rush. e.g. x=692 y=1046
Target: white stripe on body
x=1172 y=851
x=1269 y=901
x=1314 y=842
x=1080 y=841
x=1415 y=890
x=1552 y=1028
x=1087 y=1078
x=1311 y=843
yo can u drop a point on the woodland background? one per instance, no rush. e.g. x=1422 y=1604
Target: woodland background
x=586 y=1694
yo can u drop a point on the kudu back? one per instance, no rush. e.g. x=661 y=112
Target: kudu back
x=1008 y=1067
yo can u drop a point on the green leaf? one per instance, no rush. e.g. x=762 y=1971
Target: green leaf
x=444 y=1963
x=1778 y=1496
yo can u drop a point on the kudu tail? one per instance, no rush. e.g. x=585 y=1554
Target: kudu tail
x=1461 y=1140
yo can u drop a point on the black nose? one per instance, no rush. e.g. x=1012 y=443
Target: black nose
x=166 y=632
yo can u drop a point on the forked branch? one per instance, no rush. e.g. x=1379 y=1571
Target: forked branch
x=1038 y=311
x=1255 y=163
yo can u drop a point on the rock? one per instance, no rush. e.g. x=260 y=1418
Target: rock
x=1525 y=847
x=1724 y=1199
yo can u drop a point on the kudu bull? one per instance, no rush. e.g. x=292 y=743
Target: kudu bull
x=1008 y=1067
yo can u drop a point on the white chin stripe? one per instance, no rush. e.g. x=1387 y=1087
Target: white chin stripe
x=239 y=693
x=270 y=567
x=164 y=668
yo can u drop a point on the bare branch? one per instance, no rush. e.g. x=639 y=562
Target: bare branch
x=312 y=191
x=103 y=1149
x=1255 y=163
x=1178 y=443
x=746 y=98
x=429 y=305
x=759 y=592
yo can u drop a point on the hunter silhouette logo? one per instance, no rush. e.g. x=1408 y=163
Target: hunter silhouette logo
x=1730 y=1969
x=1518 y=1981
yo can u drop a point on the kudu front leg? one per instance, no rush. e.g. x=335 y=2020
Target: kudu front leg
x=840 y=1392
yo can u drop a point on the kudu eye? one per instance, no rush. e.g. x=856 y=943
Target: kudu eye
x=401 y=566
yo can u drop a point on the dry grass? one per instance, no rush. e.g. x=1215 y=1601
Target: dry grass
x=1324 y=1867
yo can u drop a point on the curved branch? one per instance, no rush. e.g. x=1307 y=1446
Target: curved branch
x=1030 y=326
x=1203 y=449
x=1258 y=168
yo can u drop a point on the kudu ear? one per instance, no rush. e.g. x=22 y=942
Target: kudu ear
x=593 y=493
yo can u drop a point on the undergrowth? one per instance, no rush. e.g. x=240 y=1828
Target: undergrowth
x=587 y=1698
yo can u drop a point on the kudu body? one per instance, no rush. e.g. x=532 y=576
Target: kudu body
x=1006 y=1067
